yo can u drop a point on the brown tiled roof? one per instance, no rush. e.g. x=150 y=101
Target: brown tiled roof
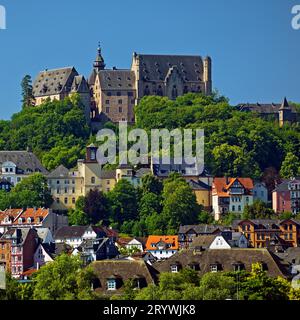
x=226 y=259
x=121 y=269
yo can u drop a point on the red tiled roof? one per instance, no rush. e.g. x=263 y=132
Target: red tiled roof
x=34 y=214
x=221 y=185
x=173 y=240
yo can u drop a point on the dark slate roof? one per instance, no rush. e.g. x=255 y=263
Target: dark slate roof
x=226 y=258
x=198 y=185
x=80 y=85
x=51 y=82
x=122 y=270
x=108 y=174
x=70 y=232
x=266 y=108
x=59 y=172
x=24 y=160
x=117 y=79
x=157 y=67
x=202 y=228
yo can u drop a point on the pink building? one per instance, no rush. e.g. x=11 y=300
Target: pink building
x=286 y=197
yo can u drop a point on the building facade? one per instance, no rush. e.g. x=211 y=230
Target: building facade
x=286 y=196
x=17 y=165
x=231 y=195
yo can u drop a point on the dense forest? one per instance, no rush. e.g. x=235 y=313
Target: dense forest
x=236 y=143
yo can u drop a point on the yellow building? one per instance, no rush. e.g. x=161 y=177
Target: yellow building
x=65 y=186
x=203 y=193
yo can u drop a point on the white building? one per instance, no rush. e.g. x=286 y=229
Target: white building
x=17 y=165
x=231 y=195
x=162 y=247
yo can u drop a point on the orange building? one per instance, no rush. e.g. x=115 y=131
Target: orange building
x=262 y=232
x=5 y=254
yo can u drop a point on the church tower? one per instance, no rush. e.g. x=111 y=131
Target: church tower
x=284 y=113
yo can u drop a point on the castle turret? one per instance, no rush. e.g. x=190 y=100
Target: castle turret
x=207 y=75
x=99 y=62
x=285 y=113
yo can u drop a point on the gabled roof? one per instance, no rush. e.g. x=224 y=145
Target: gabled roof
x=203 y=241
x=52 y=82
x=108 y=174
x=222 y=185
x=24 y=160
x=60 y=172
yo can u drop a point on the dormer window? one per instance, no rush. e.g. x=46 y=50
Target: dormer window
x=20 y=220
x=29 y=220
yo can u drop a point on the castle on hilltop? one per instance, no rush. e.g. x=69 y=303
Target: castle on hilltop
x=111 y=94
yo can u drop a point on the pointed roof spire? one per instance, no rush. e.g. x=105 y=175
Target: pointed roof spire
x=285 y=104
x=99 y=62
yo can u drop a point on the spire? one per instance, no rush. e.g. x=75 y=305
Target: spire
x=285 y=104
x=99 y=62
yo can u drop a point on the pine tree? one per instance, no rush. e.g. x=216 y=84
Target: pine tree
x=27 y=95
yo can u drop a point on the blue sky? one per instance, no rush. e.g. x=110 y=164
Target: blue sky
x=255 y=51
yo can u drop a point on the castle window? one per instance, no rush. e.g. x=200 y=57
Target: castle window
x=120 y=109
x=106 y=101
x=93 y=180
x=118 y=93
x=107 y=109
x=73 y=200
x=66 y=200
x=120 y=101
x=129 y=94
x=108 y=94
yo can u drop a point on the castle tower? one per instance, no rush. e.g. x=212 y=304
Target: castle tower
x=99 y=62
x=207 y=75
x=285 y=113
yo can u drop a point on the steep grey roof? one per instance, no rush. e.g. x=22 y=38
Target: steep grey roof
x=60 y=172
x=157 y=67
x=24 y=160
x=70 y=232
x=283 y=186
x=51 y=82
x=117 y=79
x=290 y=255
x=42 y=233
x=80 y=85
